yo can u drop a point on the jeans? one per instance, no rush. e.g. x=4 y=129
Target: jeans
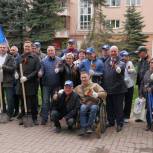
x=87 y=115
x=46 y=105
x=9 y=93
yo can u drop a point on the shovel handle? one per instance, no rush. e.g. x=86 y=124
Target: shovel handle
x=23 y=89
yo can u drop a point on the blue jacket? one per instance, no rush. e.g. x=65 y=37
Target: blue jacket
x=50 y=78
x=86 y=65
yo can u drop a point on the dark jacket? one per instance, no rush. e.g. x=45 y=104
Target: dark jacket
x=8 y=71
x=143 y=66
x=31 y=66
x=113 y=81
x=67 y=106
x=68 y=72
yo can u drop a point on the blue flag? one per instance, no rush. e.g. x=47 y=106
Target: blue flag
x=2 y=36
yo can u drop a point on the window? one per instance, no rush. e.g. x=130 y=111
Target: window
x=113 y=3
x=115 y=24
x=133 y=2
x=85 y=14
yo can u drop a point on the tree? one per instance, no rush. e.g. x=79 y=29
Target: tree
x=133 y=27
x=12 y=18
x=43 y=19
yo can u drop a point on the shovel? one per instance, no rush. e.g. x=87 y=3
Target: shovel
x=3 y=116
x=27 y=118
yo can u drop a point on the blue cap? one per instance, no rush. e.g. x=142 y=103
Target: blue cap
x=68 y=83
x=71 y=41
x=123 y=53
x=38 y=45
x=105 y=47
x=90 y=50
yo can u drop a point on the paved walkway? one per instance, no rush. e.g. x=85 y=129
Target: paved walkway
x=42 y=139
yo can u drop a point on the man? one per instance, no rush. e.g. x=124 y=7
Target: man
x=129 y=78
x=105 y=50
x=143 y=65
x=15 y=54
x=65 y=106
x=93 y=65
x=31 y=65
x=37 y=50
x=115 y=87
x=71 y=48
x=50 y=80
x=7 y=66
x=89 y=93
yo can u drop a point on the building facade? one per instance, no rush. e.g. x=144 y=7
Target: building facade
x=78 y=16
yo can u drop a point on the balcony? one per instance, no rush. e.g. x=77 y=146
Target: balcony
x=65 y=12
x=62 y=34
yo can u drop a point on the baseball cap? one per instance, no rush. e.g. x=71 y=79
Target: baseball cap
x=123 y=53
x=105 y=47
x=71 y=41
x=90 y=50
x=68 y=83
x=38 y=45
x=141 y=49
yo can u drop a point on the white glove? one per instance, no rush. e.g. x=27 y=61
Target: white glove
x=63 y=57
x=60 y=91
x=23 y=79
x=95 y=94
x=118 y=70
x=91 y=72
x=151 y=76
x=16 y=75
x=56 y=70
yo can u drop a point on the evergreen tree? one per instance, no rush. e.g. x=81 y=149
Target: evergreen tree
x=12 y=18
x=43 y=19
x=133 y=29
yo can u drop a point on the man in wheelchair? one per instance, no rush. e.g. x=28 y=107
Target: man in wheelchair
x=89 y=93
x=65 y=105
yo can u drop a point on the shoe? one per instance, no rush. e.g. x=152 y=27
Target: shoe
x=36 y=122
x=118 y=128
x=138 y=120
x=43 y=122
x=20 y=122
x=89 y=131
x=109 y=125
x=82 y=132
x=126 y=120
x=57 y=129
x=20 y=115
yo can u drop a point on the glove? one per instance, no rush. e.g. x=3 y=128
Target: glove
x=16 y=75
x=91 y=72
x=95 y=94
x=118 y=70
x=60 y=91
x=151 y=76
x=40 y=73
x=56 y=70
x=23 y=79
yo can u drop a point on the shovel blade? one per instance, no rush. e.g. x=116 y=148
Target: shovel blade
x=27 y=121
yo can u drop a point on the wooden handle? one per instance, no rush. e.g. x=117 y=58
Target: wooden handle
x=23 y=90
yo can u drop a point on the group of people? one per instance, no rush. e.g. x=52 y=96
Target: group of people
x=72 y=82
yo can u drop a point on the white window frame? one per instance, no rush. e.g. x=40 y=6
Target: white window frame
x=129 y=2
x=109 y=3
x=79 y=15
x=116 y=20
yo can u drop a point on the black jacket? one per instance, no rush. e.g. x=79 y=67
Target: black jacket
x=31 y=66
x=8 y=71
x=67 y=106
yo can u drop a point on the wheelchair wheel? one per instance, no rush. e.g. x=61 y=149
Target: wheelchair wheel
x=102 y=118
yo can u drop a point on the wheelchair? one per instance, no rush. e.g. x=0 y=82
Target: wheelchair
x=99 y=126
